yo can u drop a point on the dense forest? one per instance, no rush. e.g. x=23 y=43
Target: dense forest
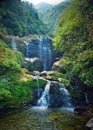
x=50 y=15
x=74 y=40
x=20 y=19
x=47 y=51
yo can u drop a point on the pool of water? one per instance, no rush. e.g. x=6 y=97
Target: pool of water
x=41 y=118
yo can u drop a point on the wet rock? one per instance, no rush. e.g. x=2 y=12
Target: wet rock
x=55 y=95
x=48 y=74
x=40 y=47
x=57 y=66
x=79 y=110
x=33 y=64
x=90 y=124
x=43 y=73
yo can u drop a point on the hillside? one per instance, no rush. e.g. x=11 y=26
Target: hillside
x=19 y=18
x=51 y=14
x=74 y=39
x=43 y=8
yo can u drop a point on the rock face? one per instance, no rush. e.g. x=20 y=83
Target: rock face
x=59 y=95
x=33 y=64
x=40 y=47
x=55 y=95
x=79 y=110
x=90 y=124
x=58 y=67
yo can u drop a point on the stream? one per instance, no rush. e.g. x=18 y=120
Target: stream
x=42 y=118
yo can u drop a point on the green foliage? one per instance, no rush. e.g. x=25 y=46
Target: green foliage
x=73 y=40
x=50 y=15
x=19 y=18
x=15 y=92
x=60 y=77
x=9 y=60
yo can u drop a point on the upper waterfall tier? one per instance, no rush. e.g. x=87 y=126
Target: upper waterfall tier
x=41 y=47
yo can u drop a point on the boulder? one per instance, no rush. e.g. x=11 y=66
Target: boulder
x=55 y=95
x=43 y=74
x=79 y=110
x=47 y=74
x=90 y=124
x=57 y=66
x=33 y=64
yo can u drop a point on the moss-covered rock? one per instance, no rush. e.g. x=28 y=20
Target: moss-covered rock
x=56 y=76
x=55 y=95
x=33 y=64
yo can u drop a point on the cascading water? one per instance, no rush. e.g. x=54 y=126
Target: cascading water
x=37 y=77
x=41 y=48
x=27 y=47
x=65 y=96
x=45 y=53
x=86 y=98
x=13 y=44
x=44 y=99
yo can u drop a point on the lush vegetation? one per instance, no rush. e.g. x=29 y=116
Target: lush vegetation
x=75 y=40
x=16 y=84
x=9 y=60
x=50 y=15
x=17 y=88
x=19 y=18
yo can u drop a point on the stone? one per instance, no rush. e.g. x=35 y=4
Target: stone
x=79 y=110
x=90 y=124
x=33 y=64
x=57 y=66
x=47 y=74
x=55 y=95
x=43 y=73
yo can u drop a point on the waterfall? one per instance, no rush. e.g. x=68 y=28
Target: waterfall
x=86 y=98
x=13 y=44
x=44 y=99
x=45 y=53
x=48 y=97
x=37 y=77
x=27 y=47
x=41 y=48
x=65 y=96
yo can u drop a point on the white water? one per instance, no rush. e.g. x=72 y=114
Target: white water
x=66 y=96
x=45 y=53
x=37 y=77
x=40 y=47
x=27 y=47
x=44 y=99
x=86 y=98
x=13 y=44
x=42 y=50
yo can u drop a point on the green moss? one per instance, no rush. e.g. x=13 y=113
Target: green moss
x=60 y=77
x=9 y=60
